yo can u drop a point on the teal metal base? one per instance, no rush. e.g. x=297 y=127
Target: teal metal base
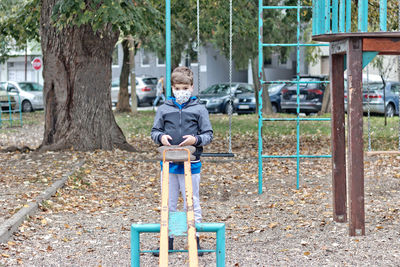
x=136 y=229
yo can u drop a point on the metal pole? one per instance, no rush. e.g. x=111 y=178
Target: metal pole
x=383 y=15
x=260 y=67
x=135 y=247
x=298 y=97
x=230 y=77
x=369 y=112
x=168 y=45
x=221 y=246
x=348 y=15
x=198 y=46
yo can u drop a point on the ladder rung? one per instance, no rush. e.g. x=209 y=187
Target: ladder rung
x=292 y=81
x=293 y=45
x=295 y=156
x=285 y=7
x=178 y=250
x=296 y=119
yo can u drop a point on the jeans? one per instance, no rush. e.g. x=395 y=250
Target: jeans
x=176 y=186
x=158 y=99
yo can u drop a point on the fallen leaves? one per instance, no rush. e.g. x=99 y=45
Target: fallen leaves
x=273 y=225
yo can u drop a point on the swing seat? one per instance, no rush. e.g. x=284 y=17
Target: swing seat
x=227 y=155
x=176 y=153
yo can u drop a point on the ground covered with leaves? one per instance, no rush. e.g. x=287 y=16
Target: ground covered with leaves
x=88 y=222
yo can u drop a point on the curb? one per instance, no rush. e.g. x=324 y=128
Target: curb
x=12 y=224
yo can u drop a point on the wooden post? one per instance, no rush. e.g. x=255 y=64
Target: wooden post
x=355 y=137
x=191 y=227
x=338 y=137
x=164 y=215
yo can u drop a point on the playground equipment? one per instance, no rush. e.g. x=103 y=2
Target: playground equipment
x=298 y=119
x=351 y=50
x=10 y=104
x=177 y=223
x=168 y=67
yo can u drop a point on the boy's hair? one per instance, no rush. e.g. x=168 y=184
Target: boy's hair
x=182 y=75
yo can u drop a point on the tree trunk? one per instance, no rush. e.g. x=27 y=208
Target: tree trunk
x=132 y=67
x=256 y=81
x=326 y=100
x=77 y=75
x=267 y=107
x=123 y=94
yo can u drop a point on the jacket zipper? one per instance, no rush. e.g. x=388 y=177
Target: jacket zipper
x=180 y=122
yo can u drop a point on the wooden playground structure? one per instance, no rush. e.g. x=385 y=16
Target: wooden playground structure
x=351 y=50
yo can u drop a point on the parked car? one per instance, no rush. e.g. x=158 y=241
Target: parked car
x=28 y=94
x=6 y=100
x=246 y=103
x=145 y=90
x=217 y=97
x=375 y=94
x=310 y=95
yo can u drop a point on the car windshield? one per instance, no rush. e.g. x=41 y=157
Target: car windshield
x=372 y=86
x=150 y=81
x=275 y=88
x=218 y=89
x=31 y=87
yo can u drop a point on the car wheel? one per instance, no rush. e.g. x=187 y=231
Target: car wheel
x=137 y=101
x=26 y=106
x=390 y=110
x=228 y=107
x=274 y=108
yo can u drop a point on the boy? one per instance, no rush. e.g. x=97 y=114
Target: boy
x=182 y=121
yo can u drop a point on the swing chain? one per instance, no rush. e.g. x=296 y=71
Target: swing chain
x=369 y=112
x=398 y=106
x=198 y=46
x=230 y=77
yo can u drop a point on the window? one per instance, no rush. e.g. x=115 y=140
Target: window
x=2 y=86
x=246 y=88
x=268 y=60
x=282 y=60
x=31 y=87
x=396 y=89
x=115 y=59
x=150 y=81
x=160 y=61
x=145 y=59
x=193 y=60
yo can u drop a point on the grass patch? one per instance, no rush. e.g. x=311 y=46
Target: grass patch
x=382 y=137
x=28 y=118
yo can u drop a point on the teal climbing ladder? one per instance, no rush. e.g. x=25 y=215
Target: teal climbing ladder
x=298 y=119
x=10 y=108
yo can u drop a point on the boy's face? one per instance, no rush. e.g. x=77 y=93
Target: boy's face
x=182 y=86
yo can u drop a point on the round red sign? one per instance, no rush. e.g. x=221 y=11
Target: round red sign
x=37 y=63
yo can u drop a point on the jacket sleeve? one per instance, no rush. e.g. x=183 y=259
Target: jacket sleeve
x=205 y=135
x=157 y=131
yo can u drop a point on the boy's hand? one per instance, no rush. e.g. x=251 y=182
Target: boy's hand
x=189 y=140
x=164 y=140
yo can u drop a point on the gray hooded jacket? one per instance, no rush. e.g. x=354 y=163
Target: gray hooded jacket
x=191 y=119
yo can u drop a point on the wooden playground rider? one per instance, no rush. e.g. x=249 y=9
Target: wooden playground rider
x=177 y=154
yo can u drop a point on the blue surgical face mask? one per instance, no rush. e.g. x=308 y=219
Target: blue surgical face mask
x=182 y=96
